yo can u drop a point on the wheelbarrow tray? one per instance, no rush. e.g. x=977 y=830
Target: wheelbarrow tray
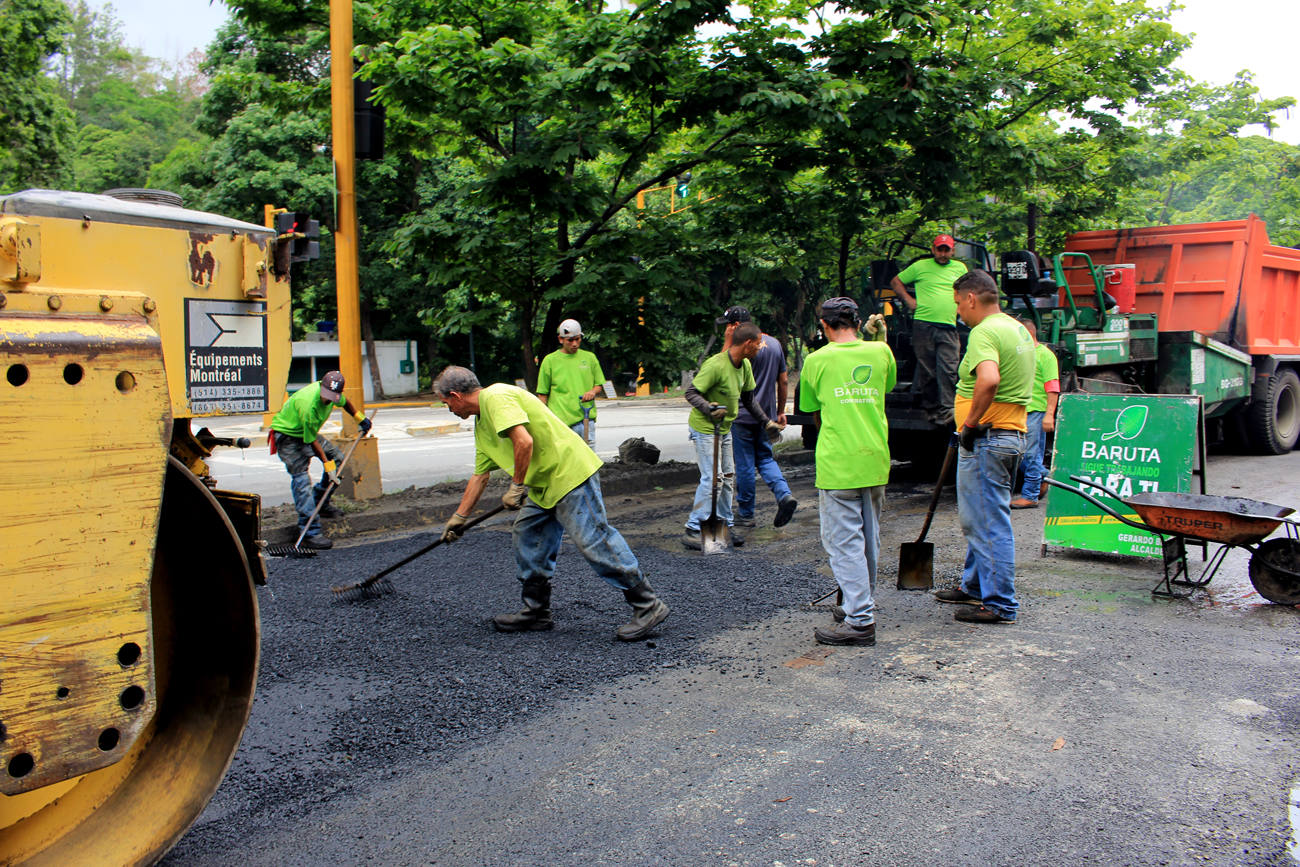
x=1229 y=520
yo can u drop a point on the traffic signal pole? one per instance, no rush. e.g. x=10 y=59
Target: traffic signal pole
x=363 y=482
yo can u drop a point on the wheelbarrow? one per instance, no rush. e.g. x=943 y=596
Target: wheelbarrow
x=1230 y=522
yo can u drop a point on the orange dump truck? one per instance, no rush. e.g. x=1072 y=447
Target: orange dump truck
x=1226 y=305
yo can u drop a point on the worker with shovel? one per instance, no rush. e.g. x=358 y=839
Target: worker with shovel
x=295 y=437
x=724 y=382
x=555 y=488
x=996 y=377
x=843 y=385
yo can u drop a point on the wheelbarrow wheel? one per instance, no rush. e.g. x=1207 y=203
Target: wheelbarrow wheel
x=1275 y=571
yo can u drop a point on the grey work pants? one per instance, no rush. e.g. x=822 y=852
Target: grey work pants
x=938 y=351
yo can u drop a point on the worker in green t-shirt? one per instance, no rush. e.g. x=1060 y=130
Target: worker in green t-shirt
x=555 y=488
x=934 y=328
x=843 y=385
x=723 y=383
x=1040 y=419
x=996 y=377
x=295 y=437
x=569 y=378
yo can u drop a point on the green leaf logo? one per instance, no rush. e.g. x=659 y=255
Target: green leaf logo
x=862 y=374
x=1129 y=424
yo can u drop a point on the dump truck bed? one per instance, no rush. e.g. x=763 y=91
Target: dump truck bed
x=1223 y=279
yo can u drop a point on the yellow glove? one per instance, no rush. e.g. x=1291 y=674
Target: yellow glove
x=362 y=421
x=330 y=472
x=455 y=528
x=515 y=497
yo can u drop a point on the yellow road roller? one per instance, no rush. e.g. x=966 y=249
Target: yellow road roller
x=129 y=628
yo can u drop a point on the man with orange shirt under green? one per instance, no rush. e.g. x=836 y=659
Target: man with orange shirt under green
x=995 y=379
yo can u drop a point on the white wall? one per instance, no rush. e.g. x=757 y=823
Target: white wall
x=389 y=353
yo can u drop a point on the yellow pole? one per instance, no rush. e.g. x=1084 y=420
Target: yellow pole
x=345 y=230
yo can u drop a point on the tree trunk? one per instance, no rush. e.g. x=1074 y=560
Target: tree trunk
x=526 y=314
x=368 y=335
x=845 y=239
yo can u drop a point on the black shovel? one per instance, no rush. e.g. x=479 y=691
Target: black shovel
x=714 y=532
x=916 y=559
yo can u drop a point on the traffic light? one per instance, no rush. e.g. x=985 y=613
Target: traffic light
x=683 y=185
x=296 y=239
x=369 y=122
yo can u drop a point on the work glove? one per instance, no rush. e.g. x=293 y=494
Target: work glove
x=455 y=528
x=969 y=434
x=363 y=422
x=330 y=472
x=717 y=414
x=773 y=430
x=515 y=497
x=875 y=327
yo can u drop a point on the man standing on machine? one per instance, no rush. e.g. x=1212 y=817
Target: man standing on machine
x=843 y=385
x=751 y=448
x=997 y=375
x=724 y=382
x=295 y=437
x=934 y=327
x=555 y=488
x=570 y=378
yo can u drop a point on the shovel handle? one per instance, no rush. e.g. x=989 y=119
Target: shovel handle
x=938 y=489
x=469 y=525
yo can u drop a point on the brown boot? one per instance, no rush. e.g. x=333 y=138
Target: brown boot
x=647 y=613
x=536 y=613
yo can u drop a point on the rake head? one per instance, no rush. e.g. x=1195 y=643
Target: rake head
x=288 y=551
x=368 y=589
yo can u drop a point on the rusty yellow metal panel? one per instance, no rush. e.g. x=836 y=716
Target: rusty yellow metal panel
x=85 y=427
x=211 y=295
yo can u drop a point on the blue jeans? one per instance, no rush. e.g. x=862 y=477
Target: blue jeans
x=1035 y=443
x=537 y=534
x=984 y=479
x=591 y=432
x=726 y=485
x=753 y=451
x=297 y=456
x=851 y=536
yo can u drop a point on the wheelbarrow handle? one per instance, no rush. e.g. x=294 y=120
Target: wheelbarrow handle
x=1100 y=505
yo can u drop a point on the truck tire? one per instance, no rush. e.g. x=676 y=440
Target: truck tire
x=1275 y=420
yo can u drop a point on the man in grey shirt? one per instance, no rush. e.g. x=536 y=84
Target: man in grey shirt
x=750 y=446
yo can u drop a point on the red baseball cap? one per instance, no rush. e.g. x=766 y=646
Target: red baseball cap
x=944 y=241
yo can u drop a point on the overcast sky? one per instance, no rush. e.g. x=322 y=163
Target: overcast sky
x=1258 y=35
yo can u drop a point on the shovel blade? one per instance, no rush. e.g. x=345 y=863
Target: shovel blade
x=716 y=536
x=916 y=566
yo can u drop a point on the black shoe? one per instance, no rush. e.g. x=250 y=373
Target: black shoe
x=971 y=614
x=838 y=613
x=691 y=539
x=845 y=633
x=957 y=596
x=317 y=543
x=736 y=539
x=329 y=512
x=745 y=522
x=527 y=620
x=785 y=511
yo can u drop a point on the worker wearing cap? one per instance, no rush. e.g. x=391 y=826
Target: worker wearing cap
x=934 y=329
x=570 y=378
x=997 y=376
x=295 y=437
x=843 y=385
x=750 y=446
x=554 y=491
x=723 y=384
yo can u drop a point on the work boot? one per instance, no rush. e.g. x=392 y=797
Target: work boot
x=1022 y=503
x=317 y=543
x=785 y=511
x=647 y=612
x=838 y=613
x=846 y=634
x=536 y=613
x=957 y=596
x=745 y=521
x=972 y=614
x=1042 y=490
x=736 y=539
x=691 y=539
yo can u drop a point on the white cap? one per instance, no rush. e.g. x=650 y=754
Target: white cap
x=570 y=328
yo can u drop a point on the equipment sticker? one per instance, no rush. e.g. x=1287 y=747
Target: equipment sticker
x=225 y=356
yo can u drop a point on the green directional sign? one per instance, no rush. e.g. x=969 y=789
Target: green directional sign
x=1130 y=443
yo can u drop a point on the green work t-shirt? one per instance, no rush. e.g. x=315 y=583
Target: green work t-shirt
x=847 y=384
x=932 y=285
x=1001 y=339
x=303 y=414
x=564 y=378
x=1046 y=369
x=721 y=382
x=561 y=460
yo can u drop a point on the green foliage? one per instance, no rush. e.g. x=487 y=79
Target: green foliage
x=36 y=126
